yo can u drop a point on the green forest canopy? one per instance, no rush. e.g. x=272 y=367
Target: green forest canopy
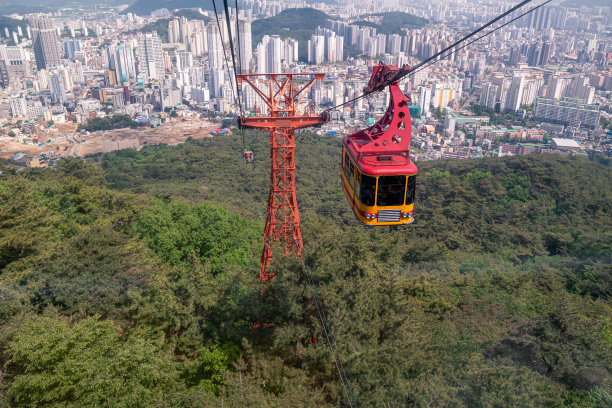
x=142 y=275
x=297 y=23
x=145 y=7
x=12 y=24
x=161 y=26
x=392 y=22
x=108 y=123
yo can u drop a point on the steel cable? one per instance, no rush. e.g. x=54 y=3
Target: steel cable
x=433 y=59
x=330 y=339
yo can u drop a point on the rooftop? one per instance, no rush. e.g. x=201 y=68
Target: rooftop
x=560 y=143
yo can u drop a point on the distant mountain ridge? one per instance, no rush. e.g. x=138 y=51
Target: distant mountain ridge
x=392 y=22
x=301 y=24
x=145 y=7
x=297 y=23
x=161 y=26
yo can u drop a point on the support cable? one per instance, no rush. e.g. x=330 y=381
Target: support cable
x=223 y=46
x=235 y=94
x=348 y=392
x=231 y=41
x=400 y=74
x=238 y=38
x=421 y=66
x=238 y=88
x=432 y=60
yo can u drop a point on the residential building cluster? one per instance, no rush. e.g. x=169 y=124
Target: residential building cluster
x=547 y=75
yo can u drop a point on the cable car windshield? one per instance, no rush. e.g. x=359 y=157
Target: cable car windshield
x=368 y=189
x=391 y=190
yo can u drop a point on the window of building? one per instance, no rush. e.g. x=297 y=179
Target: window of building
x=391 y=190
x=410 y=190
x=367 y=193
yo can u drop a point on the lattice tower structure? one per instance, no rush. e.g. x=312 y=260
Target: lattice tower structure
x=281 y=96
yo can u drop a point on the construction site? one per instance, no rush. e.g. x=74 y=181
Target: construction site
x=64 y=139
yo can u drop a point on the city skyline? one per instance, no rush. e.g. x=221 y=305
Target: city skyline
x=66 y=67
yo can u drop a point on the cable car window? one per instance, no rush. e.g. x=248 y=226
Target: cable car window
x=391 y=190
x=368 y=190
x=346 y=165
x=351 y=176
x=410 y=189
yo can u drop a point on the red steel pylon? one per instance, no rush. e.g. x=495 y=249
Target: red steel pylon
x=283 y=95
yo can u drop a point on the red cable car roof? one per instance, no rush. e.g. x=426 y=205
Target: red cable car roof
x=384 y=148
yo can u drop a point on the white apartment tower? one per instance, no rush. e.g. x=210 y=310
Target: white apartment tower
x=316 y=49
x=18 y=107
x=45 y=41
x=121 y=60
x=215 y=47
x=246 y=45
x=58 y=92
x=150 y=56
x=184 y=60
x=515 y=96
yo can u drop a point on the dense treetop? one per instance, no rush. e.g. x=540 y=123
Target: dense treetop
x=108 y=123
x=134 y=282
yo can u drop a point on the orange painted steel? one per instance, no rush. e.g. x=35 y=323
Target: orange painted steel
x=282 y=95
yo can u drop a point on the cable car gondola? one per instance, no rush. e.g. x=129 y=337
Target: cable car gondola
x=377 y=174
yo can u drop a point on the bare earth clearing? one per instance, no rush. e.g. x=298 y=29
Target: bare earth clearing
x=64 y=141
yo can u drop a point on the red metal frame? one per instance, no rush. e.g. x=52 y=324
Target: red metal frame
x=282 y=94
x=384 y=148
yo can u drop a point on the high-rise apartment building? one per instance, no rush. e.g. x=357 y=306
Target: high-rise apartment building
x=274 y=54
x=121 y=60
x=174 y=31
x=45 y=42
x=567 y=111
x=215 y=47
x=515 y=95
x=291 y=50
x=216 y=82
x=150 y=56
x=18 y=107
x=71 y=47
x=545 y=55
x=13 y=65
x=425 y=99
x=534 y=54
x=395 y=44
x=58 y=92
x=514 y=56
x=261 y=58
x=488 y=95
x=246 y=45
x=316 y=49
x=184 y=60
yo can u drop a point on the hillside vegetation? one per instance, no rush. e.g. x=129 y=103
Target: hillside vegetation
x=298 y=23
x=108 y=123
x=12 y=24
x=135 y=284
x=161 y=26
x=392 y=22
x=145 y=7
